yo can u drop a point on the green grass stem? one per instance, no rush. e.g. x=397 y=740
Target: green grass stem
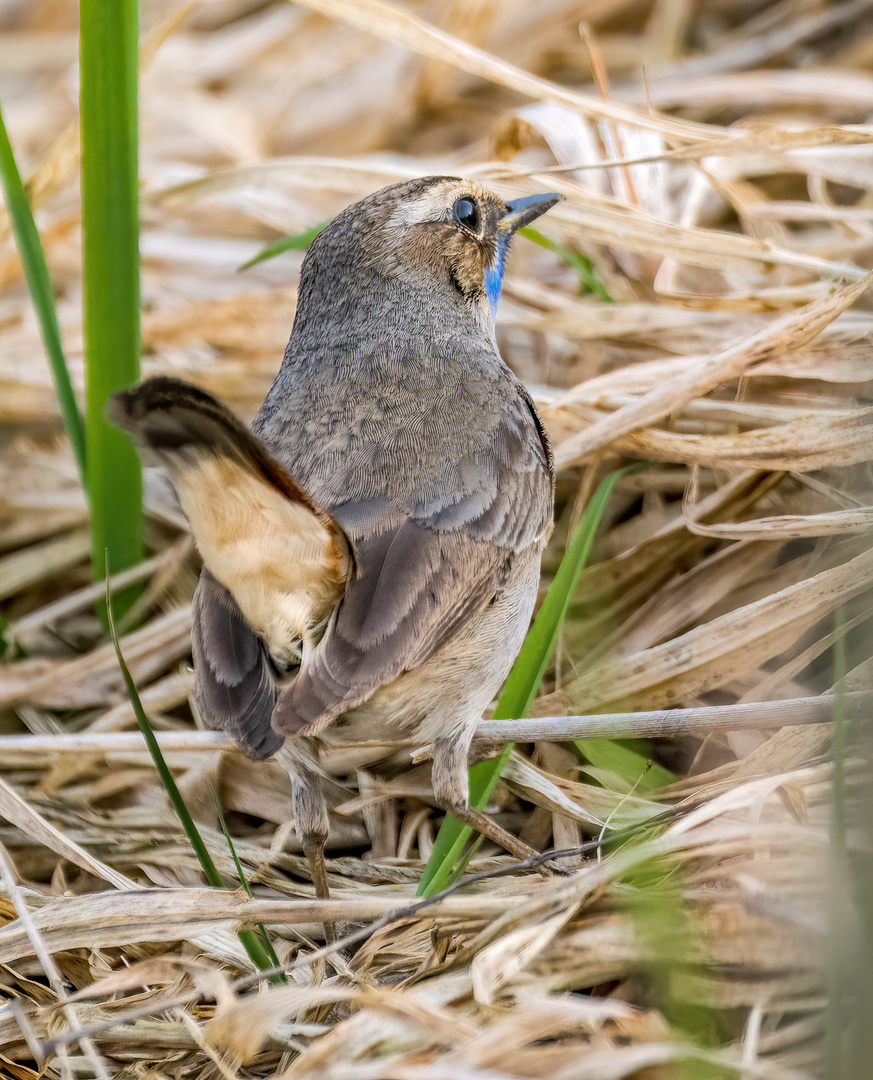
x=110 y=255
x=36 y=273
x=589 y=282
x=844 y=972
x=665 y=926
x=251 y=941
x=298 y=242
x=270 y=958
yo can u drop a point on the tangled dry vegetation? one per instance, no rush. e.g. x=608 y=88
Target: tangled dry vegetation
x=734 y=359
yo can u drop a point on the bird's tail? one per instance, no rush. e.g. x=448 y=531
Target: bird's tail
x=282 y=557
x=181 y=423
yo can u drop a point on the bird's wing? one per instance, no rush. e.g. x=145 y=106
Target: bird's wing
x=423 y=573
x=234 y=683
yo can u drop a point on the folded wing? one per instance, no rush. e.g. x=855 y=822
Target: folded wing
x=421 y=575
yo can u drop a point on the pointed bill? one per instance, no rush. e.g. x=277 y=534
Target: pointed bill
x=527 y=208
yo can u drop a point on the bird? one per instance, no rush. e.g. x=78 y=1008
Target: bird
x=371 y=546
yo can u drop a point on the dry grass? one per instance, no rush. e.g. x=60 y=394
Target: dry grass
x=735 y=358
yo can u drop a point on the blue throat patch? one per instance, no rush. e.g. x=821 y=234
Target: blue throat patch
x=494 y=274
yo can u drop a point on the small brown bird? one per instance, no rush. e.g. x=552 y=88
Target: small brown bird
x=371 y=552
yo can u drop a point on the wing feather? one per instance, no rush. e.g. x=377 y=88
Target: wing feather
x=234 y=683
x=422 y=575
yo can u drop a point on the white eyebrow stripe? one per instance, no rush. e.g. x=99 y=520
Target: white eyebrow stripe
x=434 y=204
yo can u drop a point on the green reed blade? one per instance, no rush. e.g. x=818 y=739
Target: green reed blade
x=298 y=242
x=33 y=261
x=589 y=282
x=250 y=940
x=110 y=255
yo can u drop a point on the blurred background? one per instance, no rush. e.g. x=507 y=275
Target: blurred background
x=698 y=306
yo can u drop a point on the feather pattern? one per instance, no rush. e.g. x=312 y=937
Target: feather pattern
x=424 y=573
x=235 y=685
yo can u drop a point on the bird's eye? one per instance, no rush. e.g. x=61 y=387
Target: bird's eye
x=467 y=214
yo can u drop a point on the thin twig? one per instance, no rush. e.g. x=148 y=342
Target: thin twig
x=656 y=723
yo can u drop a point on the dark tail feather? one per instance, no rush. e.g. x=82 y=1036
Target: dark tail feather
x=234 y=683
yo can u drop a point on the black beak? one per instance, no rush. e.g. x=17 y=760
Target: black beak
x=528 y=208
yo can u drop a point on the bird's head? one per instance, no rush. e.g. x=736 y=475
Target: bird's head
x=439 y=240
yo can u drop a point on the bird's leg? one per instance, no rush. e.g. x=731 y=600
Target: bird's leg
x=451 y=793
x=310 y=818
x=310 y=812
